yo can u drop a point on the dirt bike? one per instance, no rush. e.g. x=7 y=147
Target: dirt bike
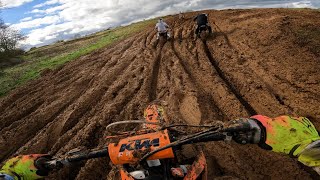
x=151 y=151
x=204 y=32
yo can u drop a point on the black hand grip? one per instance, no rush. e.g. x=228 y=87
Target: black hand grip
x=209 y=137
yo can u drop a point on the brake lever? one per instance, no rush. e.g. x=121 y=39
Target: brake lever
x=55 y=164
x=58 y=163
x=228 y=138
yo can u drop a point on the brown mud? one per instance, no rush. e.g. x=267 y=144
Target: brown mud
x=252 y=64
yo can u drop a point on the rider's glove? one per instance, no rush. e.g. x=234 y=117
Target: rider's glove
x=296 y=137
x=26 y=166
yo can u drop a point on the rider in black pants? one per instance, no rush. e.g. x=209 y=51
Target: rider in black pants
x=202 y=21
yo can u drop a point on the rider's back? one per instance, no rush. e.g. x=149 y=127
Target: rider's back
x=161 y=26
x=202 y=19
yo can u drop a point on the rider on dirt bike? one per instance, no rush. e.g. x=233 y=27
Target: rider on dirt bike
x=202 y=22
x=296 y=137
x=162 y=28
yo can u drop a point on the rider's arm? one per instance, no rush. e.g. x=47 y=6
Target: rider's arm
x=166 y=25
x=195 y=18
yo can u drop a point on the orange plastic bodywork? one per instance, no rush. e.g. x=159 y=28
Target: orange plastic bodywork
x=199 y=167
x=129 y=150
x=125 y=175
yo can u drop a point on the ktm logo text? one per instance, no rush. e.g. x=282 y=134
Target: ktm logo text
x=139 y=144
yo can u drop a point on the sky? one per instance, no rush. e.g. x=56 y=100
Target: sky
x=47 y=21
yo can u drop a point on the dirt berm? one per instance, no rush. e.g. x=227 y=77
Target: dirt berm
x=262 y=61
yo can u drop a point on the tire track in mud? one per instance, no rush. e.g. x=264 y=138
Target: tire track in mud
x=269 y=89
x=20 y=139
x=259 y=74
x=202 y=98
x=200 y=78
x=33 y=102
x=214 y=63
x=122 y=70
x=95 y=96
x=196 y=84
x=6 y=120
x=155 y=72
x=141 y=82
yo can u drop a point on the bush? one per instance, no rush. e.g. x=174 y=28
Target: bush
x=6 y=55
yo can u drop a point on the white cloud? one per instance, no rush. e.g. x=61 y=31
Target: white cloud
x=37 y=22
x=50 y=37
x=26 y=19
x=14 y=3
x=85 y=16
x=35 y=11
x=50 y=10
x=302 y=4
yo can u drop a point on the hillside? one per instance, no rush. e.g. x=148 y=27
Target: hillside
x=261 y=61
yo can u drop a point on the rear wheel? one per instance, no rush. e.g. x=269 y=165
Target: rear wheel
x=163 y=37
x=205 y=32
x=203 y=35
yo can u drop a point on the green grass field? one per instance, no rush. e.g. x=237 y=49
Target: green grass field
x=50 y=57
x=309 y=36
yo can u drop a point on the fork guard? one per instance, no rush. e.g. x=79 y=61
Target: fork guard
x=198 y=168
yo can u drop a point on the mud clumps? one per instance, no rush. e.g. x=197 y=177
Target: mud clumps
x=251 y=65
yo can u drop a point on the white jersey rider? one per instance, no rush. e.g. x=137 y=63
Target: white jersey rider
x=162 y=27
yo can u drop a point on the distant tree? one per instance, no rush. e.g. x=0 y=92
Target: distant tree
x=9 y=39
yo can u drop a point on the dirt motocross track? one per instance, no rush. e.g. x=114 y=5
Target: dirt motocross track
x=255 y=63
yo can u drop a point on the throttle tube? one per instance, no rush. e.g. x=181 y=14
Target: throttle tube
x=59 y=163
x=207 y=138
x=90 y=155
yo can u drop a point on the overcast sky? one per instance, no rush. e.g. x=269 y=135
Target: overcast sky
x=46 y=21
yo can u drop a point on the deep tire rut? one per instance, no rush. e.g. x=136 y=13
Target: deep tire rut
x=214 y=63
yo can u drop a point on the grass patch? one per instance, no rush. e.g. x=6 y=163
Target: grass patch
x=309 y=36
x=52 y=56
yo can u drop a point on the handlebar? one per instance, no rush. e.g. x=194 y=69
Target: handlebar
x=58 y=163
x=214 y=134
x=218 y=132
